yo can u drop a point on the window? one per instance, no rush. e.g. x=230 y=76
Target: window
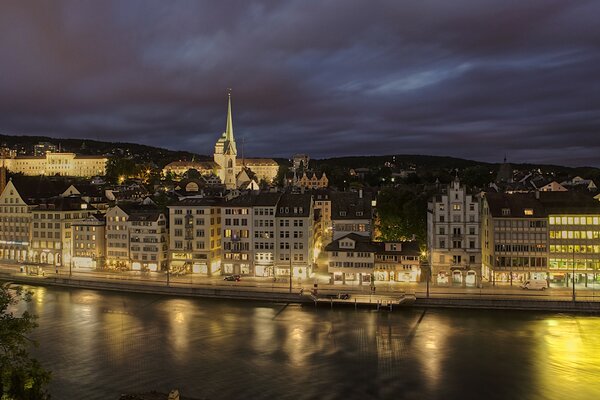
x=528 y=211
x=506 y=211
x=456 y=207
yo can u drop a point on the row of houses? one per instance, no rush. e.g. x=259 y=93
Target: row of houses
x=508 y=237
x=248 y=233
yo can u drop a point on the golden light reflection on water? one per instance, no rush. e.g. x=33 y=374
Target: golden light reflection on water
x=568 y=353
x=179 y=312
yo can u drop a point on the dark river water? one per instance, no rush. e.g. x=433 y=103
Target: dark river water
x=99 y=345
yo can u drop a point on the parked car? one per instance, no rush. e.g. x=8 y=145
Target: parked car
x=233 y=278
x=535 y=284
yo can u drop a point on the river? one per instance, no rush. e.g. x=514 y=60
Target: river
x=101 y=344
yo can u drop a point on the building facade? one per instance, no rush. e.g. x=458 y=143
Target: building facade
x=351 y=212
x=89 y=243
x=541 y=235
x=195 y=236
x=64 y=164
x=453 y=237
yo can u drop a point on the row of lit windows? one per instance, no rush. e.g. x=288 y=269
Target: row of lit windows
x=561 y=248
x=574 y=220
x=567 y=264
x=574 y=234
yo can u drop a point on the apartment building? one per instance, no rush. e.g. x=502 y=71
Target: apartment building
x=51 y=234
x=89 y=243
x=355 y=259
x=295 y=242
x=351 y=212
x=117 y=239
x=15 y=220
x=265 y=228
x=453 y=238
x=148 y=239
x=237 y=235
x=541 y=235
x=195 y=235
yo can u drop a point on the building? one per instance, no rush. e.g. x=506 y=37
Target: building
x=294 y=220
x=195 y=236
x=398 y=262
x=179 y=168
x=453 y=239
x=148 y=236
x=237 y=238
x=89 y=243
x=351 y=212
x=64 y=164
x=51 y=235
x=300 y=161
x=42 y=148
x=264 y=168
x=313 y=182
x=355 y=259
x=15 y=221
x=228 y=166
x=225 y=154
x=351 y=259
x=265 y=228
x=117 y=239
x=542 y=235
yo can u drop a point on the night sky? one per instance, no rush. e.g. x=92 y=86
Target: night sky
x=473 y=79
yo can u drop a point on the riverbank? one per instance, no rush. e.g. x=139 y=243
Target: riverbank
x=382 y=301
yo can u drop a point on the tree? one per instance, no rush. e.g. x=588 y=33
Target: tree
x=402 y=213
x=21 y=377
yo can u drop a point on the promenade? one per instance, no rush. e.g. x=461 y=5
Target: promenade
x=385 y=295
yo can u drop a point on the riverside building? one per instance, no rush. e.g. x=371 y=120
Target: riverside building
x=541 y=235
x=453 y=236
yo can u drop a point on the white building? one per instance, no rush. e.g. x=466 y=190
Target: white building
x=453 y=239
x=64 y=164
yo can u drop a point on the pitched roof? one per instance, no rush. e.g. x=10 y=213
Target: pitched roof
x=350 y=205
x=361 y=243
x=294 y=205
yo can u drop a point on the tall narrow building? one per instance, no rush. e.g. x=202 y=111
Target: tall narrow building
x=226 y=152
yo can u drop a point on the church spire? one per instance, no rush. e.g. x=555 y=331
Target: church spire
x=229 y=129
x=230 y=147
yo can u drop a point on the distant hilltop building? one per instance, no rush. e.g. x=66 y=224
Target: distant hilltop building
x=313 y=182
x=51 y=163
x=42 y=148
x=300 y=159
x=227 y=166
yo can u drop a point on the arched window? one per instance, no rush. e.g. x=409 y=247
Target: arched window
x=230 y=163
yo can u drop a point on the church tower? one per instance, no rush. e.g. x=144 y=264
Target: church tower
x=226 y=152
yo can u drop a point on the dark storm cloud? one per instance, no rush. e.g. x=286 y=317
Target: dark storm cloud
x=475 y=79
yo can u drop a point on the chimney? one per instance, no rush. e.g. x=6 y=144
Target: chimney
x=360 y=193
x=537 y=194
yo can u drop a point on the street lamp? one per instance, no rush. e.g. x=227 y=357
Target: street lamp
x=425 y=265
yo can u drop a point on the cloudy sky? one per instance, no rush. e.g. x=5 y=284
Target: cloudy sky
x=474 y=79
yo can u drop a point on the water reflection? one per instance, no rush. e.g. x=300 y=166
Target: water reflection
x=101 y=344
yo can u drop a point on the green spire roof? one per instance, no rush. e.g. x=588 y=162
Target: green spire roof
x=229 y=147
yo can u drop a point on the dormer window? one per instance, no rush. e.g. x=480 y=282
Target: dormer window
x=528 y=211
x=506 y=211
x=359 y=213
x=342 y=213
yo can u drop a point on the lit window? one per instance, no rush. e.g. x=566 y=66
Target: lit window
x=528 y=211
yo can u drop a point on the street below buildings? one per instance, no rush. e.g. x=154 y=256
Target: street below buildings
x=321 y=282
